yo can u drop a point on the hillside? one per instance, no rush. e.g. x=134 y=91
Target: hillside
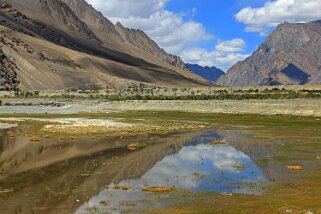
x=66 y=41
x=290 y=56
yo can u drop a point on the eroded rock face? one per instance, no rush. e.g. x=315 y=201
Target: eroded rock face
x=139 y=39
x=92 y=18
x=290 y=55
x=16 y=20
x=8 y=72
x=134 y=37
x=64 y=15
x=71 y=42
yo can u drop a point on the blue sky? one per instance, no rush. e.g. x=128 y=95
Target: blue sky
x=208 y=32
x=218 y=17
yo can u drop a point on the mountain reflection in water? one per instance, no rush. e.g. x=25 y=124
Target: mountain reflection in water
x=199 y=166
x=38 y=181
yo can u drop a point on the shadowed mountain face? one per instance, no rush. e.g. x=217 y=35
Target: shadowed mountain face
x=290 y=55
x=116 y=56
x=212 y=74
x=132 y=37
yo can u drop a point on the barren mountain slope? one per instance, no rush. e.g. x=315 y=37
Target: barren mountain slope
x=290 y=55
x=139 y=39
x=54 y=21
x=42 y=65
x=111 y=34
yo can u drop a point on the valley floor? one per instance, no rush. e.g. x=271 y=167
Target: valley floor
x=112 y=162
x=298 y=107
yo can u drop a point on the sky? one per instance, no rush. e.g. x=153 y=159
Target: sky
x=208 y=32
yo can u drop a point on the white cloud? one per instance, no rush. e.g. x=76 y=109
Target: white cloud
x=128 y=8
x=224 y=55
x=230 y=46
x=170 y=30
x=275 y=12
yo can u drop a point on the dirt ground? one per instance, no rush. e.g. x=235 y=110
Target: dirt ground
x=299 y=107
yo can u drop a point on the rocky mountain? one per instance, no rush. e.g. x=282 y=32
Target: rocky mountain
x=39 y=31
x=134 y=37
x=139 y=39
x=212 y=74
x=290 y=55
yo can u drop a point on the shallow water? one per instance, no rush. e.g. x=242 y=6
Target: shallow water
x=54 y=176
x=199 y=166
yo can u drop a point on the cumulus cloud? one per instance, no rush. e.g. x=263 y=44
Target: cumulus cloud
x=224 y=55
x=275 y=12
x=230 y=46
x=170 y=30
x=128 y=8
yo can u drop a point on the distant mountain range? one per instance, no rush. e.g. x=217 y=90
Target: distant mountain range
x=290 y=55
x=212 y=74
x=61 y=44
x=67 y=44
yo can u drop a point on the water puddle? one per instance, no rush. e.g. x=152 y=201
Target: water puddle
x=104 y=175
x=199 y=166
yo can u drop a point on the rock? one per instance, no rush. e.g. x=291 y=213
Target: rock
x=132 y=146
x=218 y=143
x=294 y=168
x=73 y=138
x=34 y=139
x=158 y=189
x=104 y=202
x=124 y=188
x=11 y=134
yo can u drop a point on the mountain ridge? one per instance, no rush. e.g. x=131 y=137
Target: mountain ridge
x=134 y=37
x=212 y=74
x=289 y=56
x=57 y=22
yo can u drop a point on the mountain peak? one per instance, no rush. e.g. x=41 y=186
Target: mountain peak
x=212 y=74
x=290 y=55
x=74 y=46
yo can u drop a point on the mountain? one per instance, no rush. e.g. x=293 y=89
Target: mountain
x=290 y=55
x=139 y=39
x=212 y=74
x=133 y=37
x=59 y=44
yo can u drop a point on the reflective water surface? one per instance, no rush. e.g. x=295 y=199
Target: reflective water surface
x=103 y=175
x=199 y=166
